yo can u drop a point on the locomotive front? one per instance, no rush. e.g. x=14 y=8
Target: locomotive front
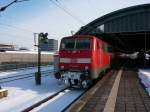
x=75 y=61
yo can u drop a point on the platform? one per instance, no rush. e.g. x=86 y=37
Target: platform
x=130 y=95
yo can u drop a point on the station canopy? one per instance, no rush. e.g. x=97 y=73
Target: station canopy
x=128 y=29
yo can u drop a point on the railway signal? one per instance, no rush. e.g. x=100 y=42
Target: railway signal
x=42 y=38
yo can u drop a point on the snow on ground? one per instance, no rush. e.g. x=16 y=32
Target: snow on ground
x=23 y=93
x=24 y=71
x=144 y=75
x=59 y=103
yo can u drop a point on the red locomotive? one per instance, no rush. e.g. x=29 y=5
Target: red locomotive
x=82 y=59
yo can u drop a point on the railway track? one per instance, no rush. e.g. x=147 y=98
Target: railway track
x=23 y=76
x=62 y=94
x=7 y=70
x=69 y=105
x=40 y=106
x=43 y=101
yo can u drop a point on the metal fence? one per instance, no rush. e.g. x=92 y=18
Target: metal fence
x=24 y=57
x=9 y=61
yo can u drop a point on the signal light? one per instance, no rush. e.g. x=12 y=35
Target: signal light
x=43 y=37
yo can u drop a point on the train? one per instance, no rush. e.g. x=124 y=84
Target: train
x=82 y=59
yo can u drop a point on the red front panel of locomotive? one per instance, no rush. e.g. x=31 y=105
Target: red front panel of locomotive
x=76 y=53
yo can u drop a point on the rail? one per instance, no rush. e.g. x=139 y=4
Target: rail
x=23 y=76
x=14 y=66
x=43 y=101
x=66 y=93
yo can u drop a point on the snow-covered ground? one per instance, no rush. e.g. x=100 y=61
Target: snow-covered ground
x=23 y=93
x=144 y=75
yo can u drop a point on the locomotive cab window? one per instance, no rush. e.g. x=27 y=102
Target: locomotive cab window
x=68 y=44
x=83 y=44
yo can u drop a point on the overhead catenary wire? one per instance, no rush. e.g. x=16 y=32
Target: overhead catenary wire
x=11 y=3
x=67 y=12
x=15 y=27
x=11 y=26
x=91 y=7
x=12 y=35
x=70 y=11
x=12 y=19
x=56 y=4
x=65 y=9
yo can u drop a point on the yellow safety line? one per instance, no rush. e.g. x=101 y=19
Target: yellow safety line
x=110 y=104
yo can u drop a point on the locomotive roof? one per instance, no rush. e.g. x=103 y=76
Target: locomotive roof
x=79 y=36
x=86 y=36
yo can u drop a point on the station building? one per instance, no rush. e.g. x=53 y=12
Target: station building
x=51 y=45
x=5 y=47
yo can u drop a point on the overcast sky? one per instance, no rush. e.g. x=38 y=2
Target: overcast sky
x=19 y=21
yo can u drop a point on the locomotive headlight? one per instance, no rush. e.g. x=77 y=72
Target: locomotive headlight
x=62 y=67
x=86 y=67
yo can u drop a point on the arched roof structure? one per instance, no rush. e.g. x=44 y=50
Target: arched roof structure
x=128 y=29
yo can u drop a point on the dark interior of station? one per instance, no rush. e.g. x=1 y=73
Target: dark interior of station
x=128 y=42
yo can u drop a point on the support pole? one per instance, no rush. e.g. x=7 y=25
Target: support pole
x=145 y=63
x=38 y=74
x=42 y=38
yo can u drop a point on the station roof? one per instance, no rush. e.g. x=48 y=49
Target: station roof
x=127 y=29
